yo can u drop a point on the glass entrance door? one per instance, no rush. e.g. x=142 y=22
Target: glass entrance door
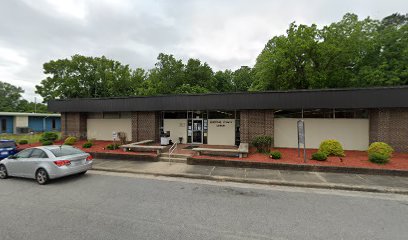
x=197 y=131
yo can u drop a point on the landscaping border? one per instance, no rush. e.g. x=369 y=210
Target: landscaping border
x=118 y=156
x=293 y=167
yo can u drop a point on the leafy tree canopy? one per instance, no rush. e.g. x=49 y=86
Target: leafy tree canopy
x=348 y=53
x=11 y=100
x=352 y=52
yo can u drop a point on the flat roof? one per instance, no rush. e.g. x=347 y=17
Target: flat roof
x=30 y=114
x=378 y=97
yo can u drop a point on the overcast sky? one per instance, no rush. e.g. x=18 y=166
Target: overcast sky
x=224 y=33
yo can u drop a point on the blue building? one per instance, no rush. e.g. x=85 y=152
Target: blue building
x=16 y=122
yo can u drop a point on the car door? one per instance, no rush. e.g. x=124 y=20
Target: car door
x=31 y=163
x=15 y=165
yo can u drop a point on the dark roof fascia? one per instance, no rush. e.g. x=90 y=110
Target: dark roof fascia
x=380 y=97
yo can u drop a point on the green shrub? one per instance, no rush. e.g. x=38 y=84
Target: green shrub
x=331 y=147
x=70 y=141
x=380 y=148
x=49 y=136
x=113 y=146
x=276 y=155
x=262 y=143
x=87 y=145
x=23 y=141
x=47 y=142
x=319 y=156
x=378 y=158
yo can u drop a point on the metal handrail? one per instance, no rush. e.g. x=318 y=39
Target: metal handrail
x=171 y=150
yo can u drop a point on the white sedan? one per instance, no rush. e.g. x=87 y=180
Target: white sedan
x=45 y=163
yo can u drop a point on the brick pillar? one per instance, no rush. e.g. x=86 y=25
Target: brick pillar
x=73 y=124
x=390 y=125
x=255 y=123
x=145 y=126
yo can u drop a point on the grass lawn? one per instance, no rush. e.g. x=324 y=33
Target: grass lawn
x=31 y=138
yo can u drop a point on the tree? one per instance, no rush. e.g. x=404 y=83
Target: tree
x=10 y=97
x=223 y=81
x=187 y=88
x=352 y=52
x=287 y=62
x=242 y=79
x=82 y=76
x=199 y=74
x=348 y=53
x=166 y=76
x=11 y=100
x=389 y=64
x=345 y=48
x=26 y=106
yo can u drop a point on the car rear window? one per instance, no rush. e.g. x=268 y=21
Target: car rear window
x=65 y=151
x=7 y=144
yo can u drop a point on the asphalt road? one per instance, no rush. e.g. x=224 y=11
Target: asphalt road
x=124 y=206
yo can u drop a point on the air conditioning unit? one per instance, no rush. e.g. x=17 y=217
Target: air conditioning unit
x=21 y=130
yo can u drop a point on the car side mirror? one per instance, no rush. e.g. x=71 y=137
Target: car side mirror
x=12 y=157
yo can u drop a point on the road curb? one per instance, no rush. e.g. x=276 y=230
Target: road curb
x=360 y=188
x=294 y=167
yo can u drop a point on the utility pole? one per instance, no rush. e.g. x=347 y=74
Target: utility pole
x=35 y=104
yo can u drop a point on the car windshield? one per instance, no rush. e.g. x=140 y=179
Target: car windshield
x=7 y=144
x=65 y=151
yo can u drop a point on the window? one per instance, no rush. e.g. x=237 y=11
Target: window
x=95 y=115
x=351 y=113
x=38 y=153
x=221 y=115
x=3 y=125
x=111 y=115
x=24 y=154
x=296 y=113
x=65 y=151
x=322 y=113
x=175 y=115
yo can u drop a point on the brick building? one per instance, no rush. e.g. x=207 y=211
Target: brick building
x=355 y=117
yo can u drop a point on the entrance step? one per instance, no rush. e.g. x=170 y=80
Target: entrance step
x=175 y=155
x=172 y=159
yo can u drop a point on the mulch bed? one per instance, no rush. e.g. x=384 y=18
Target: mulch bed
x=359 y=159
x=98 y=147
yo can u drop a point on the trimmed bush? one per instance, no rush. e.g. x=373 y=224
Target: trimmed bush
x=47 y=142
x=113 y=146
x=319 y=156
x=380 y=148
x=87 y=145
x=23 y=141
x=378 y=158
x=262 y=143
x=331 y=147
x=70 y=141
x=276 y=155
x=49 y=136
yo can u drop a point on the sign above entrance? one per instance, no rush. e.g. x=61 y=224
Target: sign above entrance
x=221 y=123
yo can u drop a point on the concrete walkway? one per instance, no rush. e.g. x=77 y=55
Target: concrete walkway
x=356 y=182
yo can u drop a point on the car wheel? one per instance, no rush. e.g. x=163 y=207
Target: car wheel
x=41 y=176
x=3 y=172
x=82 y=173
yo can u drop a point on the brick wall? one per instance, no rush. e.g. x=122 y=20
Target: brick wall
x=390 y=125
x=145 y=126
x=254 y=123
x=73 y=124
